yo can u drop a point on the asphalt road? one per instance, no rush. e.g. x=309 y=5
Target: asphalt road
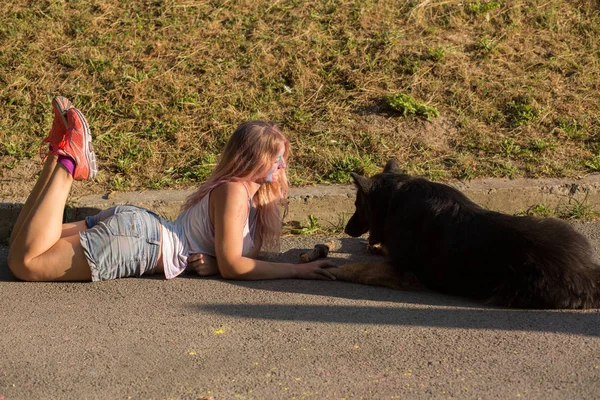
x=193 y=338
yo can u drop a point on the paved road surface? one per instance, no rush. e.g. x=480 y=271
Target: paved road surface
x=193 y=338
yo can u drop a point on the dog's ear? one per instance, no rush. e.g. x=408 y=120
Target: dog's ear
x=362 y=182
x=392 y=166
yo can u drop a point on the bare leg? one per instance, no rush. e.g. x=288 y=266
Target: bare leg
x=68 y=229
x=37 y=250
x=73 y=228
x=47 y=170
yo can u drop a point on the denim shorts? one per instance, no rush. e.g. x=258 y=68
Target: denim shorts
x=121 y=242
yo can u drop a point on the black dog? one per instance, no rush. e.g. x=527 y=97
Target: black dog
x=454 y=246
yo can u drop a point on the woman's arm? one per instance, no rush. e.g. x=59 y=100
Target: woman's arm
x=229 y=213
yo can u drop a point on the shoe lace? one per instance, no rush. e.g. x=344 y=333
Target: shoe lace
x=61 y=145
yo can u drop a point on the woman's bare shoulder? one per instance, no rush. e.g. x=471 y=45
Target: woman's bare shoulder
x=230 y=191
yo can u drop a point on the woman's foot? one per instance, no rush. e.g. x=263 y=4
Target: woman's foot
x=77 y=145
x=60 y=106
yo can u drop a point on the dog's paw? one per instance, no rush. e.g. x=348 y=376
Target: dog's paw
x=375 y=249
x=409 y=281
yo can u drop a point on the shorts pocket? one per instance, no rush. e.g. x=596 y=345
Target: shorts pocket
x=124 y=224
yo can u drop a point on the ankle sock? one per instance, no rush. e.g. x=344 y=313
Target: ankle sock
x=68 y=163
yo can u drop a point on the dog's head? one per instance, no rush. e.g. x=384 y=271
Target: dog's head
x=372 y=195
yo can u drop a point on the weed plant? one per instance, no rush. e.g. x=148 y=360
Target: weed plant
x=164 y=83
x=407 y=105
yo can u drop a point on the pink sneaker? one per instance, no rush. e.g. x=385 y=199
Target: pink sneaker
x=77 y=144
x=60 y=105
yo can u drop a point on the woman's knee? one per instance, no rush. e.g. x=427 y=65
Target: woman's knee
x=23 y=268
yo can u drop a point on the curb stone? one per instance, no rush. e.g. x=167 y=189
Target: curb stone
x=332 y=205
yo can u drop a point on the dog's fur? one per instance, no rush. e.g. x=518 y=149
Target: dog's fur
x=454 y=246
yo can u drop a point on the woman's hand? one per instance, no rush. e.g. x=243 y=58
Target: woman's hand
x=202 y=264
x=315 y=270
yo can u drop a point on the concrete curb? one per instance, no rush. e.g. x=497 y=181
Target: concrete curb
x=334 y=204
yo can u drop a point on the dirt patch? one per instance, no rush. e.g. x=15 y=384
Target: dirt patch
x=434 y=134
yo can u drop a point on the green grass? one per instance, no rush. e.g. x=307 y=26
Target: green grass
x=452 y=89
x=313 y=226
x=580 y=210
x=407 y=105
x=310 y=228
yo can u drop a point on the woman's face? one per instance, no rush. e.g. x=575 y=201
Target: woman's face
x=278 y=163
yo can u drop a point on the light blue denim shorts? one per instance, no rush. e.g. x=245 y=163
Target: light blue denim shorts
x=120 y=242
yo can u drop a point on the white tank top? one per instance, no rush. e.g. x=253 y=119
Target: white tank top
x=193 y=233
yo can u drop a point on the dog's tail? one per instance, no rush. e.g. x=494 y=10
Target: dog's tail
x=581 y=289
x=571 y=288
x=559 y=269
x=595 y=295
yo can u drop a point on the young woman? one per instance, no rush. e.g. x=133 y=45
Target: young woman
x=221 y=229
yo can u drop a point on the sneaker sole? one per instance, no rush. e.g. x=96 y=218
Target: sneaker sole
x=88 y=147
x=57 y=102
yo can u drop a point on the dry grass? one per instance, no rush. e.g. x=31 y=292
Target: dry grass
x=164 y=83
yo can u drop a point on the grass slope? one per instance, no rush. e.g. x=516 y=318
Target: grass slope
x=453 y=89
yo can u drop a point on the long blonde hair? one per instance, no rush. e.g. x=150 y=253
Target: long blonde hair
x=248 y=156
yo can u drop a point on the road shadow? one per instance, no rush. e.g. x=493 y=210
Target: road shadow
x=354 y=291
x=5 y=274
x=401 y=308
x=583 y=323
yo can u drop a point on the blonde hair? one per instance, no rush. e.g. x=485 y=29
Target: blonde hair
x=248 y=156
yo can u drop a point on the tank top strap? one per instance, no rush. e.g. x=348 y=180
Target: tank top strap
x=248 y=194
